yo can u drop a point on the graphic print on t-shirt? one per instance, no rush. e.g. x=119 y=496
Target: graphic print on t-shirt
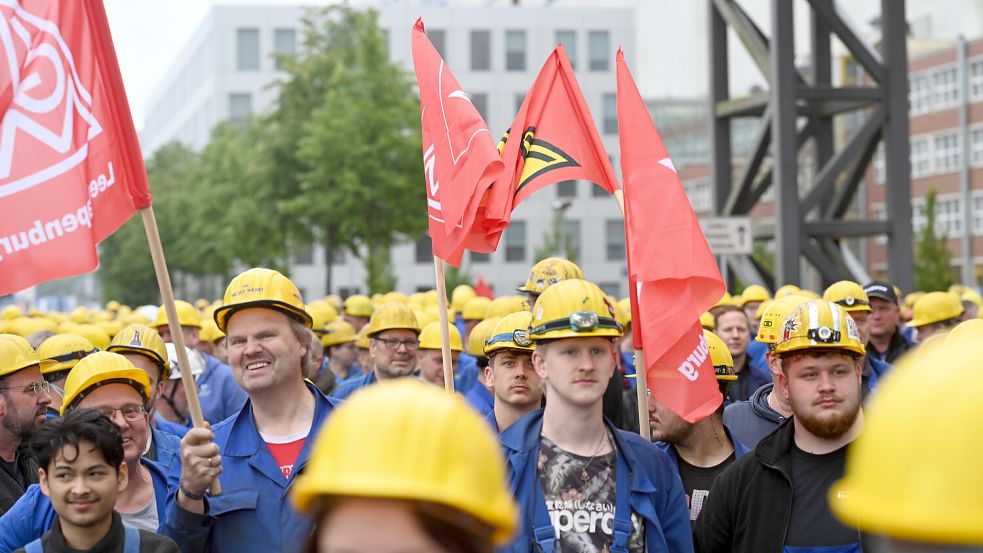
x=697 y=482
x=285 y=450
x=582 y=513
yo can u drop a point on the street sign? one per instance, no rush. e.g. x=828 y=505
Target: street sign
x=728 y=235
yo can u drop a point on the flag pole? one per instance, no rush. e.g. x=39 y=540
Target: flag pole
x=641 y=380
x=177 y=336
x=445 y=333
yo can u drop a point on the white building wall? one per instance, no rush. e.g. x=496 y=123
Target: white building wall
x=195 y=96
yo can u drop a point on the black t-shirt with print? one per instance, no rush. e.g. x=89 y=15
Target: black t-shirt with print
x=697 y=482
x=812 y=523
x=582 y=512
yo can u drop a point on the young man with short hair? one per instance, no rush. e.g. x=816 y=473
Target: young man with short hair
x=517 y=388
x=581 y=483
x=430 y=359
x=776 y=498
x=733 y=326
x=83 y=471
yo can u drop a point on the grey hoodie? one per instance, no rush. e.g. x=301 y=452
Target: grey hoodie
x=751 y=420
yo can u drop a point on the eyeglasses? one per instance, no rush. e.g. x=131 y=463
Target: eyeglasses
x=32 y=389
x=129 y=412
x=411 y=344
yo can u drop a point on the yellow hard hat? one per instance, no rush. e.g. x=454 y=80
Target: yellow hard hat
x=621 y=315
x=726 y=299
x=707 y=321
x=849 y=295
x=97 y=335
x=392 y=315
x=98 y=369
x=430 y=337
x=760 y=311
x=337 y=332
x=16 y=354
x=435 y=311
x=818 y=324
x=913 y=474
x=399 y=297
x=505 y=305
x=11 y=312
x=935 y=307
x=460 y=296
x=573 y=308
x=808 y=294
x=624 y=304
x=474 y=309
x=480 y=334
x=754 y=292
x=65 y=350
x=113 y=305
x=723 y=361
x=430 y=297
x=786 y=290
x=201 y=304
x=187 y=315
x=773 y=319
x=956 y=289
x=969 y=330
x=423 y=317
x=972 y=296
x=359 y=306
x=334 y=300
x=362 y=338
x=910 y=299
x=548 y=272
x=260 y=287
x=210 y=331
x=142 y=340
x=80 y=314
x=112 y=328
x=407 y=440
x=321 y=313
x=511 y=332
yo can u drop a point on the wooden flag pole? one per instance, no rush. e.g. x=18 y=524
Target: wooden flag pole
x=641 y=381
x=445 y=333
x=177 y=335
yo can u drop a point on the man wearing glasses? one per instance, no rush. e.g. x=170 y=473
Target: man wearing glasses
x=393 y=344
x=111 y=384
x=24 y=400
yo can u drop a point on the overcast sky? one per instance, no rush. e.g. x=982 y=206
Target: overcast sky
x=670 y=37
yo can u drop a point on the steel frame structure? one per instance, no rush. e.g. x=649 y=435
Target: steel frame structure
x=797 y=112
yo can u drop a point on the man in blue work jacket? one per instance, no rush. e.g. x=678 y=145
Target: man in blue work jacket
x=260 y=451
x=578 y=479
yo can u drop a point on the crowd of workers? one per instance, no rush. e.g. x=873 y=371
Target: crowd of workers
x=845 y=425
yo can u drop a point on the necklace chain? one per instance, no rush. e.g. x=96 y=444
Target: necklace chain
x=583 y=471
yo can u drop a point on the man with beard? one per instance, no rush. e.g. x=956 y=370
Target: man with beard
x=510 y=372
x=775 y=498
x=24 y=399
x=703 y=449
x=393 y=344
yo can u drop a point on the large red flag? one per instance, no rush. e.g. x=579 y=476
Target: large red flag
x=552 y=139
x=71 y=171
x=676 y=276
x=460 y=159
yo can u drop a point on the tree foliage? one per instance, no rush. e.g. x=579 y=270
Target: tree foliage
x=336 y=159
x=932 y=255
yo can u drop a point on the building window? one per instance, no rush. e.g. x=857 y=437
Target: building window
x=600 y=50
x=479 y=257
x=919 y=94
x=480 y=102
x=247 y=49
x=976 y=146
x=304 y=256
x=918 y=219
x=515 y=50
x=614 y=239
x=284 y=43
x=569 y=41
x=515 y=241
x=945 y=88
x=880 y=166
x=948 y=152
x=338 y=256
x=949 y=216
x=921 y=157
x=480 y=50
x=571 y=229
x=424 y=249
x=699 y=195
x=879 y=213
x=978 y=214
x=566 y=189
x=438 y=37
x=240 y=106
x=976 y=80
x=610 y=110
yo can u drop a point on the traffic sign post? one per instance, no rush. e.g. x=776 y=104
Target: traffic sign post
x=728 y=235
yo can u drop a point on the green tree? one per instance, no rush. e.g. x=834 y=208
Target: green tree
x=932 y=255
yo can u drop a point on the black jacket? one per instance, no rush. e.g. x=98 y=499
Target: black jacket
x=751 y=420
x=54 y=541
x=10 y=484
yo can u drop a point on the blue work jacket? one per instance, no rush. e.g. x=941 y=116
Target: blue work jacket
x=219 y=394
x=33 y=514
x=174 y=428
x=353 y=385
x=466 y=375
x=656 y=493
x=481 y=399
x=167 y=450
x=253 y=512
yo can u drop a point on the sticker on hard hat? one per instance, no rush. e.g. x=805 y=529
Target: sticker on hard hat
x=851 y=329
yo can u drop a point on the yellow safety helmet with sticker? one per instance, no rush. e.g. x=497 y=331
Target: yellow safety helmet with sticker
x=818 y=324
x=511 y=332
x=259 y=287
x=549 y=271
x=573 y=309
x=770 y=328
x=723 y=361
x=143 y=340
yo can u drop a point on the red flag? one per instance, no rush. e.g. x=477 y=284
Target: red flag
x=552 y=139
x=71 y=171
x=482 y=288
x=676 y=275
x=460 y=159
